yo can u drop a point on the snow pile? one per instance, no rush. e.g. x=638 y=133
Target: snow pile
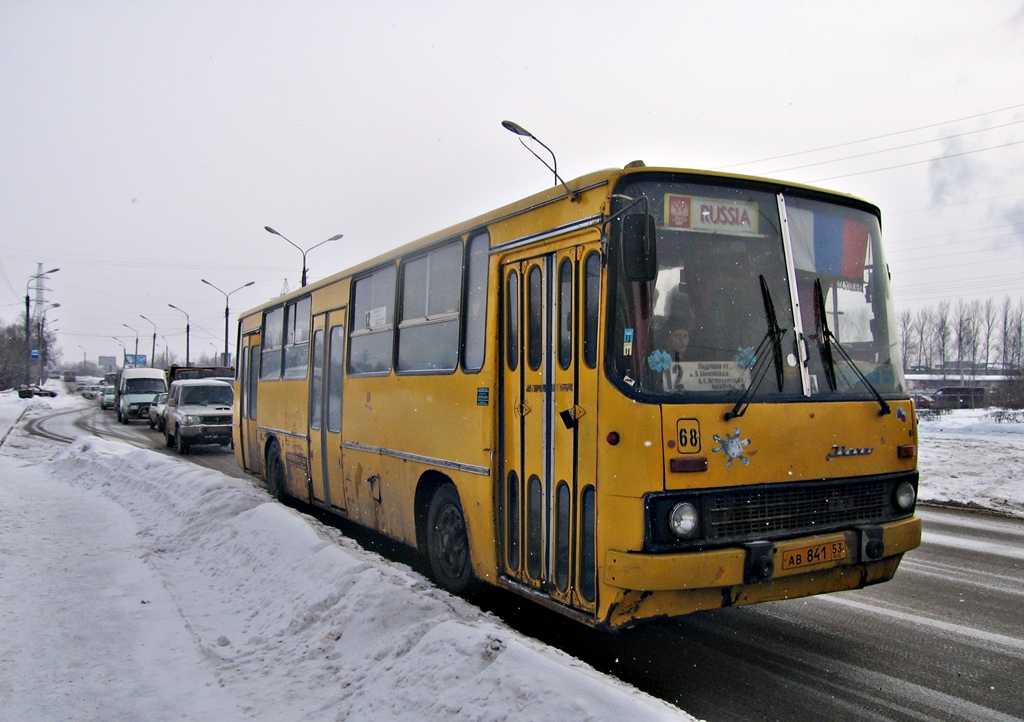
x=973 y=458
x=297 y=622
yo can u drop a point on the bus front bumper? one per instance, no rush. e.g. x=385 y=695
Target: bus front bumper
x=649 y=585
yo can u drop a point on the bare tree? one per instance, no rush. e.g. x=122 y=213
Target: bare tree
x=905 y=321
x=923 y=327
x=988 y=320
x=942 y=332
x=965 y=335
x=1005 y=333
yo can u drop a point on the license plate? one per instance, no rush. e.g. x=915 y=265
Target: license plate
x=817 y=554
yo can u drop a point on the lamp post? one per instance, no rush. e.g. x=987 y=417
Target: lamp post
x=135 y=361
x=188 y=326
x=28 y=326
x=224 y=361
x=152 y=353
x=303 y=252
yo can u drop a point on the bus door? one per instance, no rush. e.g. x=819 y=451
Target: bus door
x=549 y=419
x=249 y=374
x=325 y=461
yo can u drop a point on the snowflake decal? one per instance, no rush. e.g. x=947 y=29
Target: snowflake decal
x=745 y=358
x=732 y=447
x=659 y=361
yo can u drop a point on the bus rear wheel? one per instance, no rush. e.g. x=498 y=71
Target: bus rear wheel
x=447 y=541
x=275 y=471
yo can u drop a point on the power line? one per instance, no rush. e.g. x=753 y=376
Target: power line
x=889 y=214
x=876 y=137
x=918 y=162
x=889 y=150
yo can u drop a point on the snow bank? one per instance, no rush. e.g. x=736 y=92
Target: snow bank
x=298 y=622
x=973 y=458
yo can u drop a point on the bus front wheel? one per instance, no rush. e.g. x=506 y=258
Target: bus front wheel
x=447 y=541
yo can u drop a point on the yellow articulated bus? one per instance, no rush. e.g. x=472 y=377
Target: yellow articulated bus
x=643 y=393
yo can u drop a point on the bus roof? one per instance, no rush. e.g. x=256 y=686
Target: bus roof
x=590 y=181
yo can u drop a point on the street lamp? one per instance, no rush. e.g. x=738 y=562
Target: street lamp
x=224 y=362
x=524 y=133
x=303 y=252
x=152 y=353
x=135 y=362
x=124 y=351
x=28 y=327
x=188 y=327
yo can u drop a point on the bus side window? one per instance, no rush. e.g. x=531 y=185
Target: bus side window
x=591 y=299
x=565 y=320
x=428 y=333
x=250 y=384
x=372 y=331
x=475 y=310
x=273 y=344
x=512 y=321
x=296 y=342
x=316 y=385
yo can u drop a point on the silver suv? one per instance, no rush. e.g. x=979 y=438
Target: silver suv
x=198 y=411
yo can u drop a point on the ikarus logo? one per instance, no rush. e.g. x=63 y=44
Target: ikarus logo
x=839 y=451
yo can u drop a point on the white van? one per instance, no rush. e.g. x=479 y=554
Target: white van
x=136 y=390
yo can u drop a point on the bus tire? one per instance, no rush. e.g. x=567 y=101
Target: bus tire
x=275 y=471
x=447 y=541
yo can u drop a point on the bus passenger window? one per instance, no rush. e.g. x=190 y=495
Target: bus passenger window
x=317 y=382
x=296 y=342
x=335 y=363
x=428 y=335
x=512 y=321
x=591 y=289
x=534 y=347
x=251 y=384
x=273 y=343
x=475 y=313
x=370 y=347
x=565 y=301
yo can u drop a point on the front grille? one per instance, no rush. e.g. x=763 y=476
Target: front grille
x=740 y=514
x=216 y=420
x=755 y=513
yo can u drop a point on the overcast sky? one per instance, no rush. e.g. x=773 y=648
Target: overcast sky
x=146 y=144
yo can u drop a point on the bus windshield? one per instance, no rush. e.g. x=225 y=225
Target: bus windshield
x=720 y=319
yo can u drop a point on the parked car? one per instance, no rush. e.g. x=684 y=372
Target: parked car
x=198 y=412
x=106 y=397
x=91 y=391
x=156 y=412
x=922 y=400
x=38 y=390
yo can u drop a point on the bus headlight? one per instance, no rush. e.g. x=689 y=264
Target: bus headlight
x=904 y=496
x=683 y=520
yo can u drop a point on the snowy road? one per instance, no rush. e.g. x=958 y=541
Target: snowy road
x=942 y=641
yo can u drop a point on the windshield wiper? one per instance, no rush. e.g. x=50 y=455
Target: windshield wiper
x=826 y=340
x=759 y=371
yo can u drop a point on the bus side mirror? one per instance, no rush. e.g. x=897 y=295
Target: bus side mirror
x=639 y=250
